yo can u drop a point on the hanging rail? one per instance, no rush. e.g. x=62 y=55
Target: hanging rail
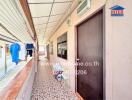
x=6 y=40
x=8 y=37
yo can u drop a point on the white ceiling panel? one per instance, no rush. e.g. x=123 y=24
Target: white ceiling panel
x=52 y=24
x=40 y=35
x=48 y=34
x=38 y=1
x=40 y=20
x=37 y=27
x=59 y=8
x=47 y=31
x=50 y=29
x=62 y=0
x=40 y=31
x=55 y=18
x=40 y=10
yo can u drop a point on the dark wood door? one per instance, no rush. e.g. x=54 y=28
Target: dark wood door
x=90 y=55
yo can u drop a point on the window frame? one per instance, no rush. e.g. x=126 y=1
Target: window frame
x=60 y=41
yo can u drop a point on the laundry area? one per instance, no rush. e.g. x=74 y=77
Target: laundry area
x=13 y=54
x=65 y=50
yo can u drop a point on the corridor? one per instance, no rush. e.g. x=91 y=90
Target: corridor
x=65 y=49
x=46 y=87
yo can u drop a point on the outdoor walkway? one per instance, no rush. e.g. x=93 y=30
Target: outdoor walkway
x=46 y=87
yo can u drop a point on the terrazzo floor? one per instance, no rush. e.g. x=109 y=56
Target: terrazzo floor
x=46 y=87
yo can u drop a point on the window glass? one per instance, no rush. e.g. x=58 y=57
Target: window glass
x=0 y=52
x=9 y=62
x=2 y=59
x=62 y=46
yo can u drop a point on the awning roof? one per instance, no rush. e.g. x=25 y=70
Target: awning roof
x=13 y=18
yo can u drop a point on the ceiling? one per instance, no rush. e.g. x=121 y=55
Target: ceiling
x=12 y=18
x=46 y=14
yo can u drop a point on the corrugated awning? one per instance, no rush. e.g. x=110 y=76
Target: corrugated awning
x=13 y=19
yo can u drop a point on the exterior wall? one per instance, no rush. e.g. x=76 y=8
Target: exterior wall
x=118 y=49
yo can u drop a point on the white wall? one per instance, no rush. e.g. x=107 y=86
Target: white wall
x=75 y=19
x=119 y=52
x=118 y=48
x=42 y=48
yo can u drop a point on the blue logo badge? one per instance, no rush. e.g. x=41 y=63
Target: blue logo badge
x=117 y=10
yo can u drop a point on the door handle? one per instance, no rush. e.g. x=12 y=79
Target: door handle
x=77 y=59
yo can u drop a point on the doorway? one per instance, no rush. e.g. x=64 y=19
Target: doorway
x=48 y=53
x=90 y=57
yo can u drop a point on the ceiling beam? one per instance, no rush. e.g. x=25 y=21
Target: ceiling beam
x=27 y=12
x=47 y=23
x=48 y=16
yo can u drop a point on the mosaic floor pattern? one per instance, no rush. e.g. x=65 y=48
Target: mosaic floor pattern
x=46 y=87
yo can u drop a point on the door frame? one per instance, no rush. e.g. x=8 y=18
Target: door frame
x=104 y=51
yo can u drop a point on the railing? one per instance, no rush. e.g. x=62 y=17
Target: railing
x=12 y=90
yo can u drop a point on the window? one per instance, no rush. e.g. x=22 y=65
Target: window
x=7 y=50
x=9 y=69
x=0 y=52
x=62 y=46
x=2 y=61
x=9 y=63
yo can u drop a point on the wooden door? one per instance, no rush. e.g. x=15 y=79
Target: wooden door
x=90 y=55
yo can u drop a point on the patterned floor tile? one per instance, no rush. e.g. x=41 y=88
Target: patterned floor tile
x=46 y=87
